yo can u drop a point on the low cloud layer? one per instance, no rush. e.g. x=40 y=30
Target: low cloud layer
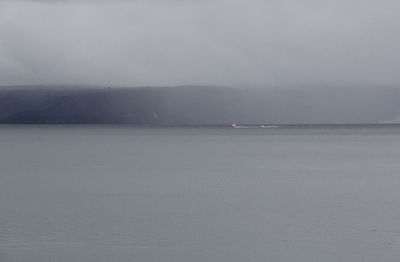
x=220 y=42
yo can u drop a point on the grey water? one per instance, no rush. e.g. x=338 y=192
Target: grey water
x=293 y=193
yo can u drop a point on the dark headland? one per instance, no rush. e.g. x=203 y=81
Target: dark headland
x=196 y=105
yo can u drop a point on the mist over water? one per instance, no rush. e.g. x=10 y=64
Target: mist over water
x=263 y=191
x=322 y=193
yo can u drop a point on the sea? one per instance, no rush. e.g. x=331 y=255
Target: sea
x=193 y=194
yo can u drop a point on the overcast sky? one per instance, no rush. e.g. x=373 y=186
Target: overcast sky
x=214 y=42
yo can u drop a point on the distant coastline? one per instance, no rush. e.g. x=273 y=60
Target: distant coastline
x=196 y=106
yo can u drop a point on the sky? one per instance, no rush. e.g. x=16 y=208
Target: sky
x=241 y=43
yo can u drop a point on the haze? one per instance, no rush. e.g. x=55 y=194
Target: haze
x=250 y=43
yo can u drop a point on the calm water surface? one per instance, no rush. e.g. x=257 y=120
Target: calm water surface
x=324 y=193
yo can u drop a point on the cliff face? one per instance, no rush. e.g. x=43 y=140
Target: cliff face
x=195 y=106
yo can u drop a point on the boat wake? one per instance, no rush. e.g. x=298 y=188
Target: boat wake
x=253 y=126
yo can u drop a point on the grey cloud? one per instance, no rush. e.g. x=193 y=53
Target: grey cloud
x=220 y=42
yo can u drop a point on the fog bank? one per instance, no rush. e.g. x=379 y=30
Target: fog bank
x=239 y=43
